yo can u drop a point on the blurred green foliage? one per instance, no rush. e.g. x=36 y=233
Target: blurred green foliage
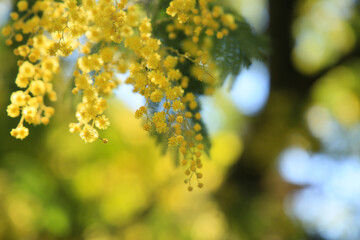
x=53 y=186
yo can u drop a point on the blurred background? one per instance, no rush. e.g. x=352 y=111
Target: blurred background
x=285 y=161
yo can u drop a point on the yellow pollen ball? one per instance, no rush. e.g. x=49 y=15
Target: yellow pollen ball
x=37 y=88
x=22 y=5
x=197 y=127
x=27 y=69
x=20 y=132
x=193 y=105
x=188 y=114
x=198 y=137
x=180 y=139
x=14 y=16
x=179 y=119
x=195 y=39
x=198 y=116
x=219 y=35
x=18 y=37
x=6 y=31
x=45 y=120
x=13 y=110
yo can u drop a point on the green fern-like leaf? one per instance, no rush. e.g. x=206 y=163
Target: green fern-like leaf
x=238 y=49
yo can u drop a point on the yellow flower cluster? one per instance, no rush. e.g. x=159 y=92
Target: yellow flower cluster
x=200 y=24
x=115 y=37
x=181 y=9
x=36 y=70
x=194 y=21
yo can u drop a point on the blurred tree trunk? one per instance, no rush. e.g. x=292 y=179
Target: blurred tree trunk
x=267 y=134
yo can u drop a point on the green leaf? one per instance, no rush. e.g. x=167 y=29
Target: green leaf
x=238 y=49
